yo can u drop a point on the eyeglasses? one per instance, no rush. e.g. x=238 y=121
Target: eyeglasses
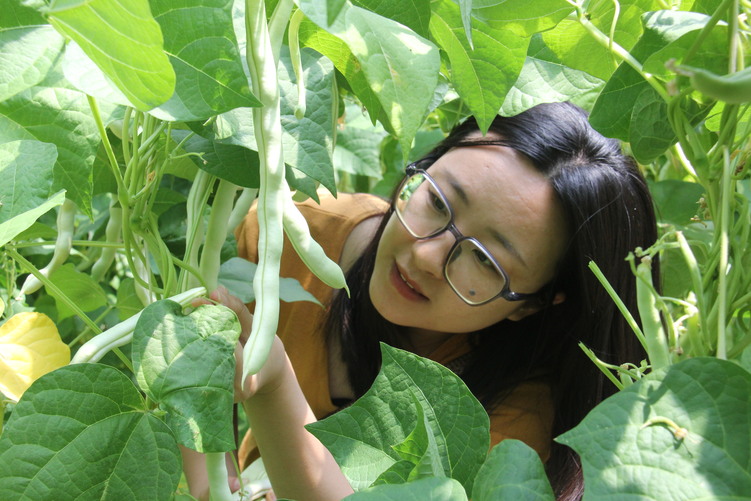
x=470 y=269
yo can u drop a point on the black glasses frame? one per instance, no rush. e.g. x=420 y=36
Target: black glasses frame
x=506 y=292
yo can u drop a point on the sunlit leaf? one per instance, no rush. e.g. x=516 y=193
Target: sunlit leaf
x=124 y=40
x=28 y=48
x=679 y=433
x=26 y=166
x=513 y=470
x=187 y=364
x=483 y=75
x=201 y=44
x=30 y=347
x=11 y=228
x=361 y=437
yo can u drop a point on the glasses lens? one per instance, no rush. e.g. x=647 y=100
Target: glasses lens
x=421 y=207
x=472 y=273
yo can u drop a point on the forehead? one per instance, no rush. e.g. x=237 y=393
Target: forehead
x=495 y=190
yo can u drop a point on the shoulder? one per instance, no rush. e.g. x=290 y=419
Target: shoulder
x=347 y=206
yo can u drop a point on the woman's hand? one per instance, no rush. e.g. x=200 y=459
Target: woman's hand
x=270 y=374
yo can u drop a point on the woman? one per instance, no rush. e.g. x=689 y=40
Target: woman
x=480 y=263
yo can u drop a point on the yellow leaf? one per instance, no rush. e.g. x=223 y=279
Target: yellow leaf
x=30 y=347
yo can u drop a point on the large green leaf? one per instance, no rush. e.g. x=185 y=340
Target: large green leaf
x=28 y=48
x=414 y=14
x=26 y=166
x=628 y=102
x=338 y=53
x=482 y=76
x=201 y=44
x=400 y=67
x=576 y=48
x=679 y=433
x=124 y=40
x=433 y=489
x=52 y=112
x=521 y=16
x=361 y=437
x=14 y=226
x=544 y=81
x=187 y=364
x=83 y=432
x=513 y=470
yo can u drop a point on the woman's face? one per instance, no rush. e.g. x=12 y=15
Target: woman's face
x=499 y=198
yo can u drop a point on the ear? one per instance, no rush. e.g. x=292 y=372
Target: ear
x=531 y=306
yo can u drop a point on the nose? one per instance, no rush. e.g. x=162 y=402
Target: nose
x=430 y=255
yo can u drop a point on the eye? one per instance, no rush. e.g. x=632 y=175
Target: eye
x=437 y=203
x=482 y=258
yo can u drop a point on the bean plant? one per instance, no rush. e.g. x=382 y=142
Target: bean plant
x=135 y=135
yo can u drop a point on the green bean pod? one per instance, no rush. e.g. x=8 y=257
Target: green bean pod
x=734 y=88
x=63 y=244
x=216 y=232
x=310 y=251
x=112 y=235
x=118 y=335
x=268 y=131
x=654 y=334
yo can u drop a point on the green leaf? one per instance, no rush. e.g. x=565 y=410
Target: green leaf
x=421 y=450
x=124 y=40
x=28 y=48
x=236 y=274
x=361 y=436
x=434 y=489
x=16 y=225
x=577 y=49
x=676 y=202
x=52 y=112
x=522 y=17
x=26 y=167
x=414 y=14
x=82 y=432
x=712 y=53
x=400 y=67
x=78 y=287
x=201 y=44
x=513 y=470
x=307 y=142
x=650 y=132
x=482 y=76
x=236 y=164
x=679 y=433
x=338 y=53
x=187 y=364
x=85 y=75
x=127 y=303
x=615 y=114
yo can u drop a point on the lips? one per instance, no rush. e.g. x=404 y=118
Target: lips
x=404 y=286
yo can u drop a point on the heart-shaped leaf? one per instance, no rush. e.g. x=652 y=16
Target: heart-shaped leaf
x=30 y=347
x=361 y=437
x=513 y=470
x=187 y=364
x=82 y=432
x=679 y=433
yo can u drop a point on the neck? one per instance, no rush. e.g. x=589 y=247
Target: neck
x=423 y=342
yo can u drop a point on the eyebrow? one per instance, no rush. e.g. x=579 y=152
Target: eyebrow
x=505 y=242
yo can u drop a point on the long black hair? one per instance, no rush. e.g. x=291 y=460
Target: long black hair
x=609 y=212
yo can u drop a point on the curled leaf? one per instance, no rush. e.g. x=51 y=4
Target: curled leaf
x=30 y=346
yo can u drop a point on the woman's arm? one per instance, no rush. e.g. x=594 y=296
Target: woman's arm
x=297 y=464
